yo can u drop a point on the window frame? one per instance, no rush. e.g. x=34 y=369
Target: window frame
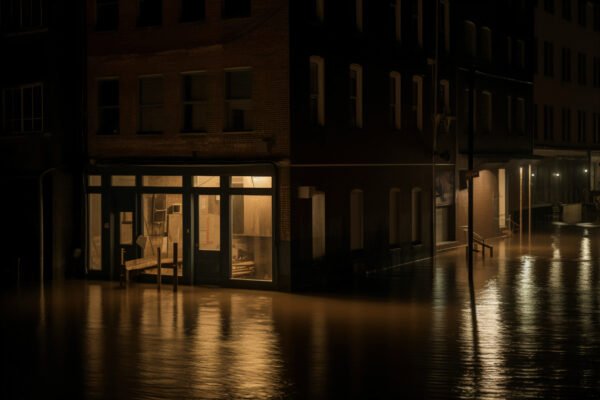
x=142 y=106
x=198 y=102
x=356 y=99
x=21 y=116
x=247 y=104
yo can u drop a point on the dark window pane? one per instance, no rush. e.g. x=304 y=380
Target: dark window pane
x=192 y=10
x=108 y=92
x=107 y=15
x=150 y=13
x=239 y=84
x=108 y=121
x=236 y=8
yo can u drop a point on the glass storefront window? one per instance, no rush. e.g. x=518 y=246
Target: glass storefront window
x=251 y=237
x=126 y=227
x=95 y=231
x=251 y=182
x=207 y=181
x=162 y=226
x=94 y=180
x=162 y=181
x=209 y=220
x=122 y=180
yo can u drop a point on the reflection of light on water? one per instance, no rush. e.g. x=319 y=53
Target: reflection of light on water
x=482 y=345
x=207 y=358
x=94 y=338
x=585 y=292
x=318 y=352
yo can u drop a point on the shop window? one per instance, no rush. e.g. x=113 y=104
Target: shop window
x=251 y=182
x=108 y=107
x=94 y=180
x=122 y=180
x=162 y=227
x=209 y=221
x=94 y=231
x=238 y=100
x=357 y=236
x=192 y=10
x=251 y=237
x=107 y=15
x=206 y=181
x=162 y=181
x=318 y=225
x=151 y=119
x=195 y=102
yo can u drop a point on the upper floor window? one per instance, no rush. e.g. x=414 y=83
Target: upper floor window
x=358 y=15
x=193 y=10
x=23 y=109
x=236 y=8
x=195 y=101
x=596 y=128
x=566 y=125
x=395 y=100
x=581 y=68
x=566 y=9
x=470 y=39
x=238 y=100
x=520 y=54
x=395 y=222
x=417 y=100
x=509 y=51
x=357 y=217
x=549 y=6
x=486 y=43
x=108 y=106
x=566 y=64
x=107 y=15
x=596 y=9
x=535 y=55
x=318 y=9
x=548 y=122
x=356 y=96
x=581 y=126
x=418 y=16
x=520 y=116
x=445 y=97
x=581 y=12
x=548 y=59
x=23 y=15
x=151 y=118
x=445 y=17
x=484 y=117
x=596 y=72
x=150 y=12
x=317 y=91
x=396 y=19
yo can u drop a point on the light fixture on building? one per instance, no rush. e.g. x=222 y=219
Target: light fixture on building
x=557 y=174
x=533 y=175
x=585 y=170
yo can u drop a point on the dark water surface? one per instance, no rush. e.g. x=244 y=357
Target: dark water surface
x=532 y=333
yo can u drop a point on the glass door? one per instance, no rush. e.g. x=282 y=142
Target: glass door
x=207 y=244
x=123 y=229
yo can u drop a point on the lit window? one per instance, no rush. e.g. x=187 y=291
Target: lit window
x=23 y=109
x=151 y=118
x=317 y=91
x=195 y=102
x=108 y=106
x=207 y=181
x=417 y=101
x=209 y=222
x=95 y=180
x=162 y=181
x=238 y=100
x=122 y=180
x=395 y=100
x=251 y=182
x=356 y=96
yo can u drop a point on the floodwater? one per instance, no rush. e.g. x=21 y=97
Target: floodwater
x=532 y=332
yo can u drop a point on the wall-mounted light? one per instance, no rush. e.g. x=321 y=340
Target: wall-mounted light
x=533 y=175
x=557 y=174
x=585 y=170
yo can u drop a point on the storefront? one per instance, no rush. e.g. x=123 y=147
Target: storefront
x=222 y=219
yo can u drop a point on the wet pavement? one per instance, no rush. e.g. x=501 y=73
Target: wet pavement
x=532 y=332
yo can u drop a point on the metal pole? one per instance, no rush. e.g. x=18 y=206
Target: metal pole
x=175 y=267
x=529 y=205
x=520 y=202
x=159 y=265
x=471 y=140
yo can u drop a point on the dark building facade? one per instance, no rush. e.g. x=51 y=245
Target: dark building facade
x=40 y=146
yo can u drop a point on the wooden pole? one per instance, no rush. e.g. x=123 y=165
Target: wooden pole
x=123 y=276
x=159 y=265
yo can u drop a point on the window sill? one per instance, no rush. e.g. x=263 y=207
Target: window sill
x=149 y=133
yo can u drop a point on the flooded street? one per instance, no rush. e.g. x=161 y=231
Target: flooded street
x=533 y=331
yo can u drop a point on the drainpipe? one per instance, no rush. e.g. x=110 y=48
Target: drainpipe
x=41 y=205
